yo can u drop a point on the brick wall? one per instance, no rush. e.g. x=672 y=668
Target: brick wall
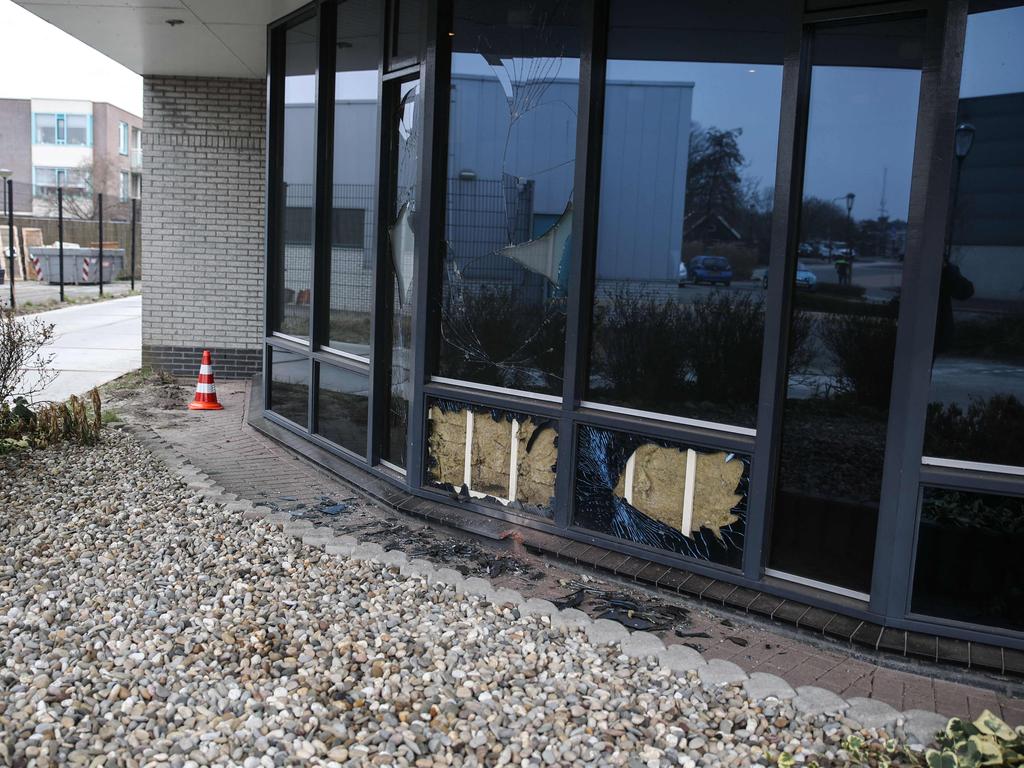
x=203 y=228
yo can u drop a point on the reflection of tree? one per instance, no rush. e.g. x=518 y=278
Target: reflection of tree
x=713 y=183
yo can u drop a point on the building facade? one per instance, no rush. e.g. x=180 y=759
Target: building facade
x=85 y=147
x=733 y=289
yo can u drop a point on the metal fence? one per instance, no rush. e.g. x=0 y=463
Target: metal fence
x=66 y=244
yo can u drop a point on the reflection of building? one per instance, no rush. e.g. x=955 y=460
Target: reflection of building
x=988 y=227
x=82 y=146
x=768 y=439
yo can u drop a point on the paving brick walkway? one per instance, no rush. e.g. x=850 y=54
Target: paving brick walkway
x=251 y=465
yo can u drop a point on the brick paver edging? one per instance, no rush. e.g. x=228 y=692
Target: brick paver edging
x=920 y=726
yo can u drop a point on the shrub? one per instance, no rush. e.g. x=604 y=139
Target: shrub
x=989 y=430
x=721 y=335
x=24 y=368
x=78 y=420
x=638 y=347
x=986 y=741
x=862 y=349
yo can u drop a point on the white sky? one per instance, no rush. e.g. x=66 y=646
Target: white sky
x=48 y=63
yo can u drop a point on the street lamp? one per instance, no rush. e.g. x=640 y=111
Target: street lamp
x=963 y=140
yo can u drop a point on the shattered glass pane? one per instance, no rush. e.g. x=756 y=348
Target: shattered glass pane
x=510 y=458
x=665 y=495
x=293 y=278
x=514 y=95
x=405 y=149
x=354 y=178
x=343 y=407
x=691 y=123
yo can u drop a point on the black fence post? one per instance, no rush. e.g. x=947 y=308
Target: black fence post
x=60 y=238
x=133 y=244
x=10 y=238
x=100 y=198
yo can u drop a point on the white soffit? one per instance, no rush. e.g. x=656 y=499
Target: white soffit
x=218 y=38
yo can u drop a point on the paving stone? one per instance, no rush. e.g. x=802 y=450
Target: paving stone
x=872 y=713
x=761 y=685
x=680 y=658
x=720 y=672
x=604 y=631
x=921 y=726
x=642 y=645
x=570 y=617
x=812 y=700
x=537 y=607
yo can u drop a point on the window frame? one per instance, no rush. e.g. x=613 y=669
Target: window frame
x=122 y=138
x=904 y=470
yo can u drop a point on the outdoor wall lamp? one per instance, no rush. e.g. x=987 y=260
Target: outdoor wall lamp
x=964 y=140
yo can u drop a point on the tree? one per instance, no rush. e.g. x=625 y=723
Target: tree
x=713 y=182
x=87 y=180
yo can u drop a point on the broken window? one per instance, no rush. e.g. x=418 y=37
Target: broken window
x=511 y=159
x=666 y=495
x=504 y=457
x=405 y=157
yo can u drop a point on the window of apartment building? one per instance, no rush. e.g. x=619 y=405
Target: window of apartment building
x=45 y=181
x=50 y=128
x=122 y=143
x=124 y=188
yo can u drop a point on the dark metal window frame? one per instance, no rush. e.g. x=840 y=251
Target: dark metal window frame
x=903 y=474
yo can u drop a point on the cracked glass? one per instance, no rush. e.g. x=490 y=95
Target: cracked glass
x=511 y=160
x=405 y=158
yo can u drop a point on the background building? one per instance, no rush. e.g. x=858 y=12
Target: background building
x=86 y=147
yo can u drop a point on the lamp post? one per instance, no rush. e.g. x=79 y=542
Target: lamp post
x=963 y=140
x=5 y=176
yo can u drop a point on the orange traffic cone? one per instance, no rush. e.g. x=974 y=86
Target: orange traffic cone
x=206 y=390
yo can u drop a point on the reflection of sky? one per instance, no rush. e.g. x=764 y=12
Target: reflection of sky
x=862 y=119
x=993 y=53
x=862 y=122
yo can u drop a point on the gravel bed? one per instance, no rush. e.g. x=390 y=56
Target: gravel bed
x=141 y=625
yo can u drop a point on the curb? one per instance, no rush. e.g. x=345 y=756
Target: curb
x=920 y=726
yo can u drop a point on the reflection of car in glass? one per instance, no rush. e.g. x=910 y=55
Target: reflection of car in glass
x=710 y=269
x=682 y=274
x=804 y=277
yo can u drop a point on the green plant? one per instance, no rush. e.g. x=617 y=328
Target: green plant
x=78 y=420
x=986 y=741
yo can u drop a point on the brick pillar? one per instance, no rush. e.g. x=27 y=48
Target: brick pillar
x=203 y=223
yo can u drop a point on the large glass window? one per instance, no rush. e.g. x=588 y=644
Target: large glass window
x=687 y=175
x=289 y=385
x=865 y=81
x=293 y=261
x=78 y=130
x=976 y=401
x=354 y=185
x=405 y=156
x=46 y=128
x=343 y=402
x=511 y=159
x=968 y=564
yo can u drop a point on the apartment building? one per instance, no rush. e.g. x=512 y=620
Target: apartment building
x=83 y=146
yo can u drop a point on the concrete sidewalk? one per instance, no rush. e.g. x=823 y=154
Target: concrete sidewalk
x=93 y=344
